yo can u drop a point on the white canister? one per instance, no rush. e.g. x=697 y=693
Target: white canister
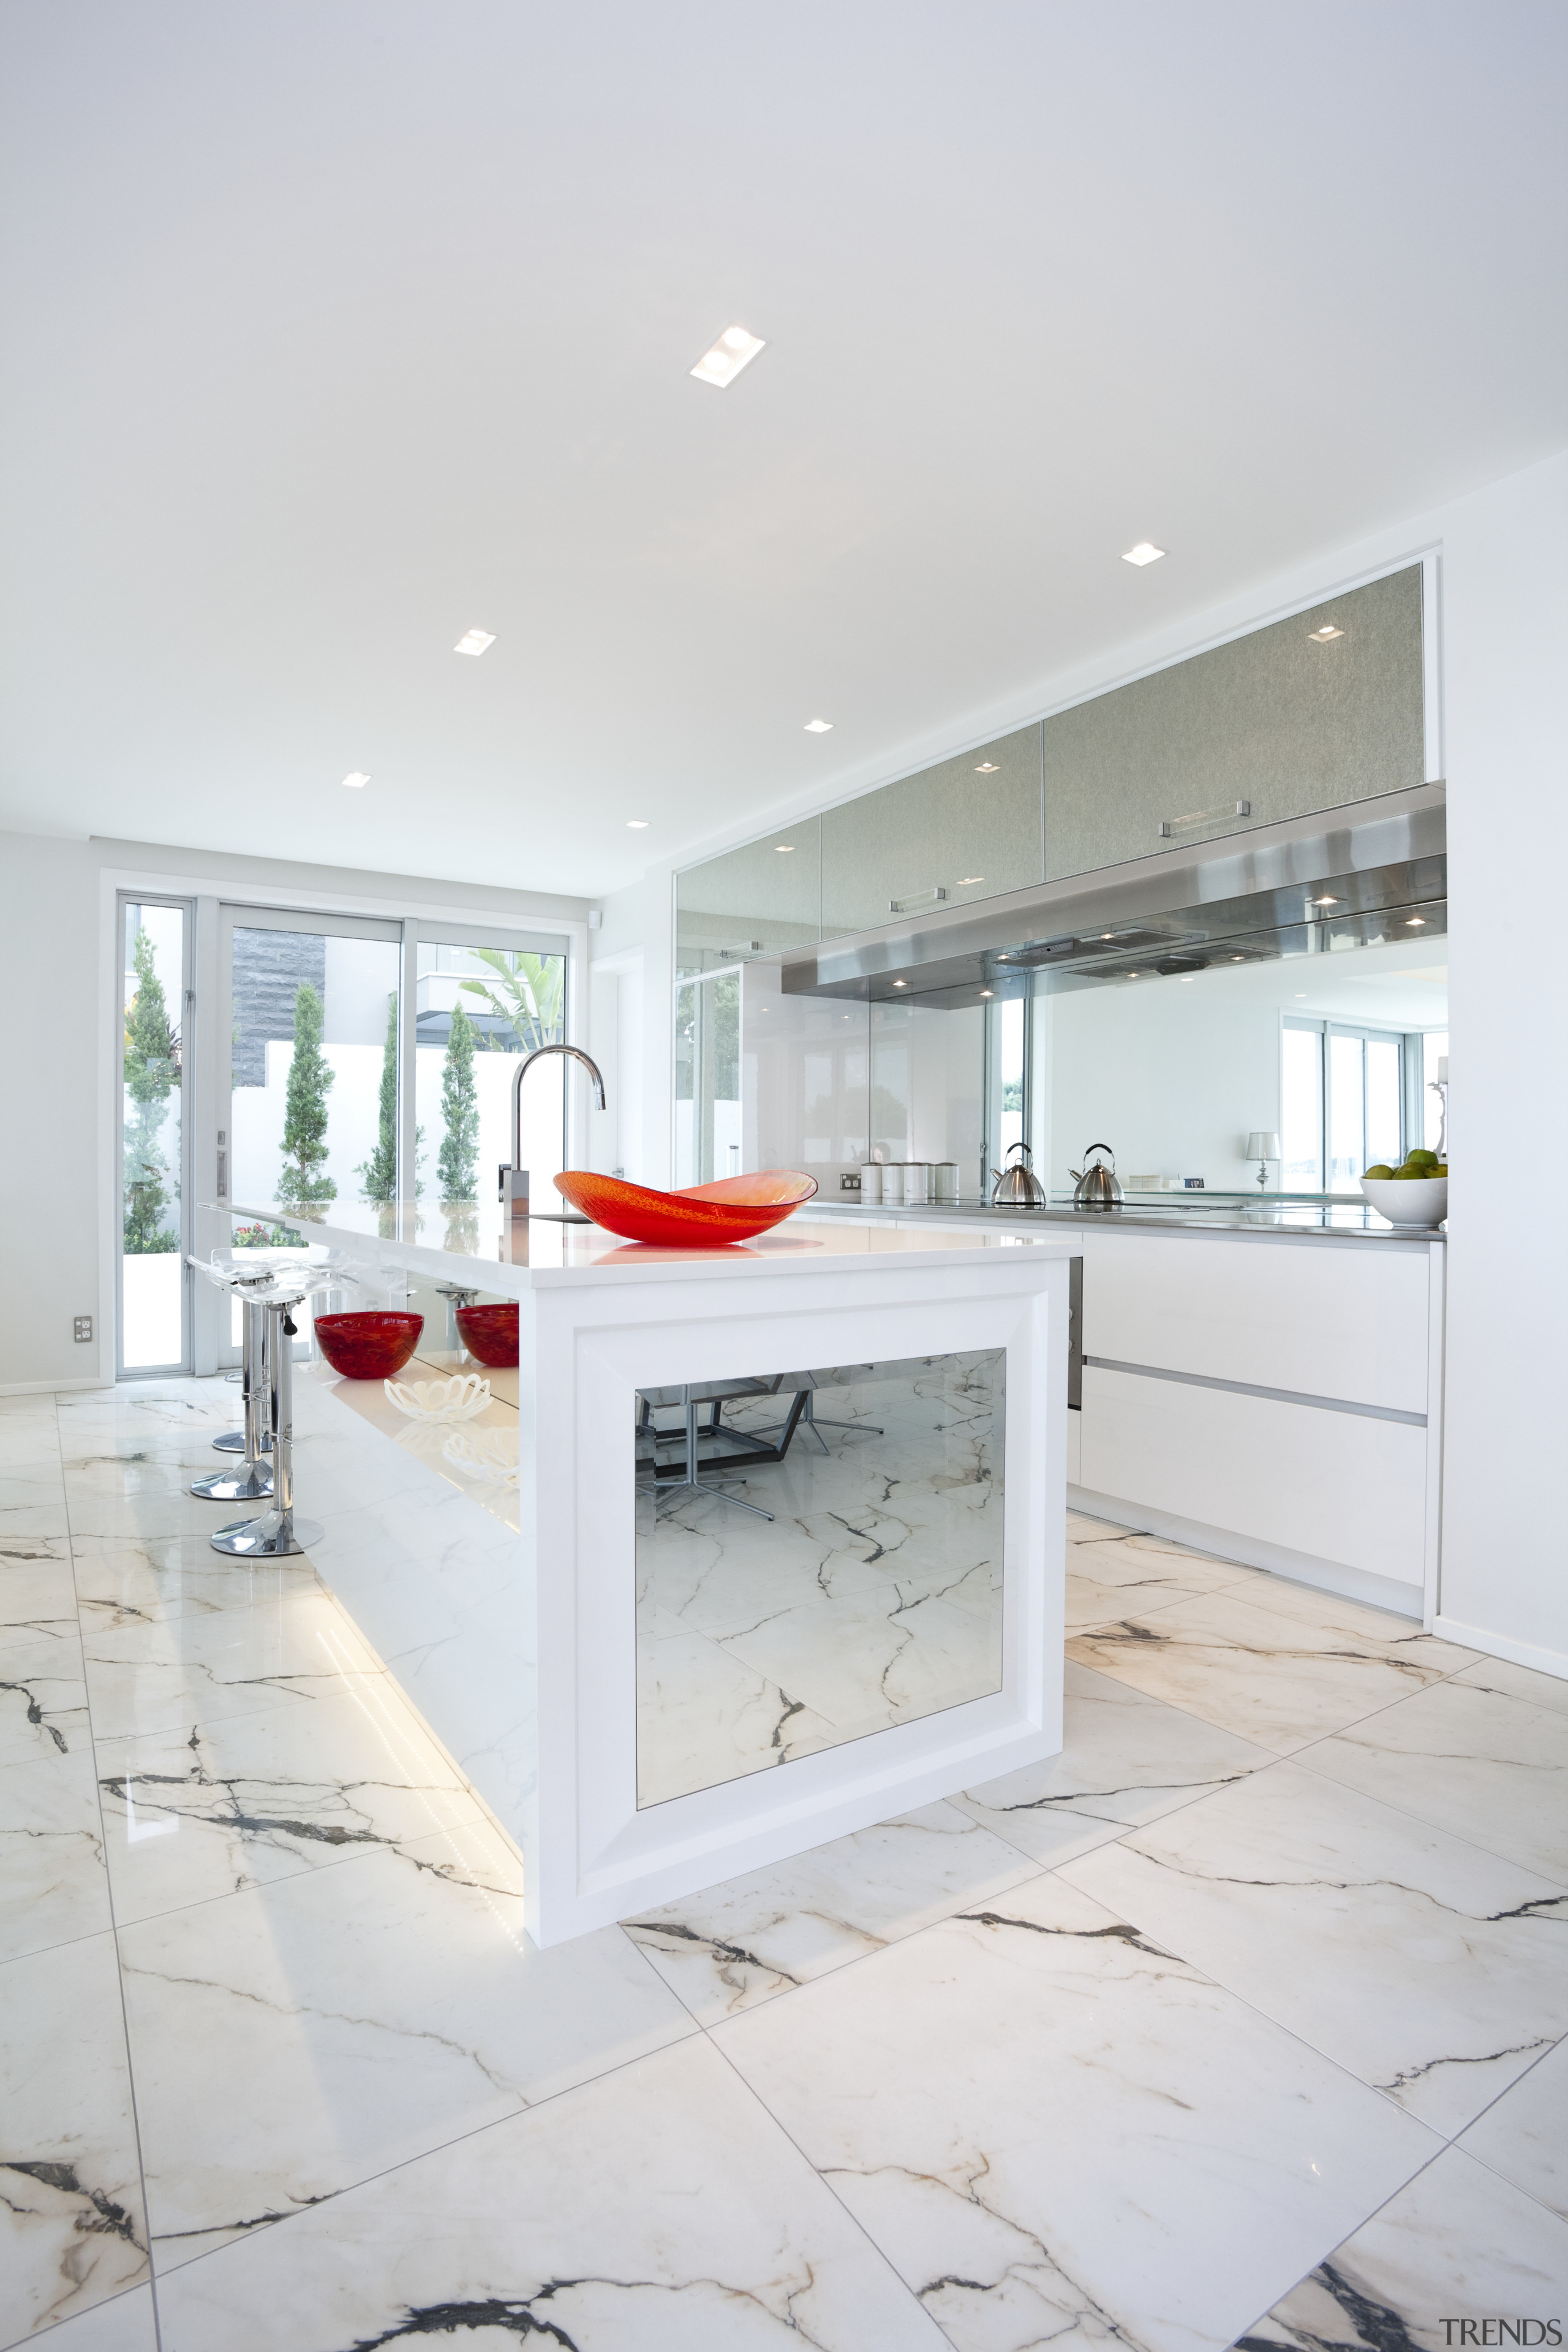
x=946 y=1174
x=917 y=1182
x=870 y=1181
x=893 y=1185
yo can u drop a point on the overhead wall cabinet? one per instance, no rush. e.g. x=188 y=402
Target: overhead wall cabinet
x=757 y=900
x=968 y=828
x=1310 y=713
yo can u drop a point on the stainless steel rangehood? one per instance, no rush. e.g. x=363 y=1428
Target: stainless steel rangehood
x=1375 y=871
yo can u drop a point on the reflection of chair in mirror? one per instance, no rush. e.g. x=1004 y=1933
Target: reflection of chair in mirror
x=816 y=1423
x=677 y=1478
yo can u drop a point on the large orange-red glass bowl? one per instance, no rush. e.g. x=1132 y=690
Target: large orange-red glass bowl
x=367 y=1346
x=734 y=1210
x=489 y=1333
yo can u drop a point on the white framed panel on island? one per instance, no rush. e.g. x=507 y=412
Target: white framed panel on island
x=520 y=1649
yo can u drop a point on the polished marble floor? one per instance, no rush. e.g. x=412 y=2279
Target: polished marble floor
x=1240 y=2024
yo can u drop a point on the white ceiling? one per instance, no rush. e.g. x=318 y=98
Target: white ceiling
x=338 y=327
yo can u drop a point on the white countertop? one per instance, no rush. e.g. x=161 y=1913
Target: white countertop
x=480 y=1246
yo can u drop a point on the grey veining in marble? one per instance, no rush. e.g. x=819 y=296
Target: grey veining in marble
x=1524 y=2134
x=726 y=1950
x=43 y=1700
x=201 y=1666
x=53 y=1884
x=1111 y=2147
x=1472 y=1760
x=1457 y=2244
x=660 y=2209
x=1434 y=1971
x=72 y=2230
x=1270 y=1673
x=296 y=2038
x=1125 y=1759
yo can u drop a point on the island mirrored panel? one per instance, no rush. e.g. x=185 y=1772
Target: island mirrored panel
x=819 y=1557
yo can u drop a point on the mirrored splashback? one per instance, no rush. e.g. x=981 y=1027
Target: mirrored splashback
x=819 y=1557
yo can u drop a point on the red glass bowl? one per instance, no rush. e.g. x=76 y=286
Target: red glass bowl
x=730 y=1211
x=368 y=1347
x=490 y=1332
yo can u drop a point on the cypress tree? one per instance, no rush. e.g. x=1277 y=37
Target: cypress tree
x=380 y=1170
x=457 y=1165
x=305 y=1106
x=152 y=1073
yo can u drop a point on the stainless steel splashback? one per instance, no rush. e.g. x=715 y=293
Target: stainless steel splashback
x=1305 y=886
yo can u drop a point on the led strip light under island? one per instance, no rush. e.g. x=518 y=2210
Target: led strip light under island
x=785 y=1555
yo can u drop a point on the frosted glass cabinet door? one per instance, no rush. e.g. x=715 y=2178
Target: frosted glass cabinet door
x=754 y=900
x=1288 y=718
x=970 y=826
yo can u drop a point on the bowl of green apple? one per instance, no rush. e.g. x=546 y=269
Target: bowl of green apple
x=1415 y=1194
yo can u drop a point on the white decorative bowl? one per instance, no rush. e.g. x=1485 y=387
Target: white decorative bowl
x=487 y=1453
x=458 y=1399
x=1413 y=1200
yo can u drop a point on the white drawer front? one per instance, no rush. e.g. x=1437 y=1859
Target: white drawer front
x=1339 y=1486
x=1329 y=1322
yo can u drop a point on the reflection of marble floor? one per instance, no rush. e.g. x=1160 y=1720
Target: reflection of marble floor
x=873 y=1596
x=1241 y=2021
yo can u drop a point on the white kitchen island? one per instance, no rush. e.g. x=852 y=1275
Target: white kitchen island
x=654 y=1687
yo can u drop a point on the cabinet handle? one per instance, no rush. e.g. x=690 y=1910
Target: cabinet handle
x=1170 y=824
x=933 y=896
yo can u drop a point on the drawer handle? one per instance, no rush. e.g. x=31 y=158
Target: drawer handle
x=1172 y=825
x=932 y=897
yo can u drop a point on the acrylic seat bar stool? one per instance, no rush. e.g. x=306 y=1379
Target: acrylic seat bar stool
x=252 y=1480
x=274 y=1533
x=256 y=1264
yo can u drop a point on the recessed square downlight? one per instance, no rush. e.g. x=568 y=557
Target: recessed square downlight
x=734 y=350
x=356 y=780
x=1145 y=552
x=474 y=641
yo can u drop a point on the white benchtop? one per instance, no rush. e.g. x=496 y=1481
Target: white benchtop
x=485 y=1249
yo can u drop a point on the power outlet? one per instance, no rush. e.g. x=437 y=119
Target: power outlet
x=84 y=1326
x=849 y=1184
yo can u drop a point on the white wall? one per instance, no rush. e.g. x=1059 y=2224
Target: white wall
x=58 y=982
x=1505 y=587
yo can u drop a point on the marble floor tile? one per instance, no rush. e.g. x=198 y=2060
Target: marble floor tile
x=1549 y=1691
x=127 y=2324
x=43 y=1701
x=1262 y=1672
x=1110 y=1581
x=1111 y=2147
x=1524 y=2134
x=1433 y=1971
x=53 y=1884
x=72 y=2231
x=742 y=1943
x=39 y=1486
x=1125 y=1759
x=152 y=1510
x=143 y=1581
x=293 y=2040
x=29 y=1444
x=1456 y=2242
x=199 y=1667
x=869 y=1659
x=37 y=1602
x=660 y=2211
x=210 y=1808
x=1491 y=1769
x=28 y=1523
x=704 y=1717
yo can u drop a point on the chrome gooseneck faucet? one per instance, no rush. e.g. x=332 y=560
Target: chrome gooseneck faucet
x=514 y=1179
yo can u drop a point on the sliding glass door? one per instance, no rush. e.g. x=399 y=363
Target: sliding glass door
x=155 y=1307
x=484 y=1000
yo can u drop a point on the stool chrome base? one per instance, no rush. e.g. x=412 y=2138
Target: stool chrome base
x=251 y=1485
x=233 y=1442
x=274 y=1536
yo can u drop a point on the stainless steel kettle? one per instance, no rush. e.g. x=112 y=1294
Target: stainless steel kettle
x=1017 y=1187
x=1097 y=1188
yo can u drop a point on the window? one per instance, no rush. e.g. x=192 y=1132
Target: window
x=708 y=1079
x=154 y=1220
x=1343 y=1096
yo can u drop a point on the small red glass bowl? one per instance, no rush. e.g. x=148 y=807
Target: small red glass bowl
x=734 y=1210
x=368 y=1347
x=490 y=1332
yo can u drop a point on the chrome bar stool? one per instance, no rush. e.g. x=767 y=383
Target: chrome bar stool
x=253 y=1479
x=276 y=1533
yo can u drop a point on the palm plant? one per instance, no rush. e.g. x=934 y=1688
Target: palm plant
x=526 y=994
